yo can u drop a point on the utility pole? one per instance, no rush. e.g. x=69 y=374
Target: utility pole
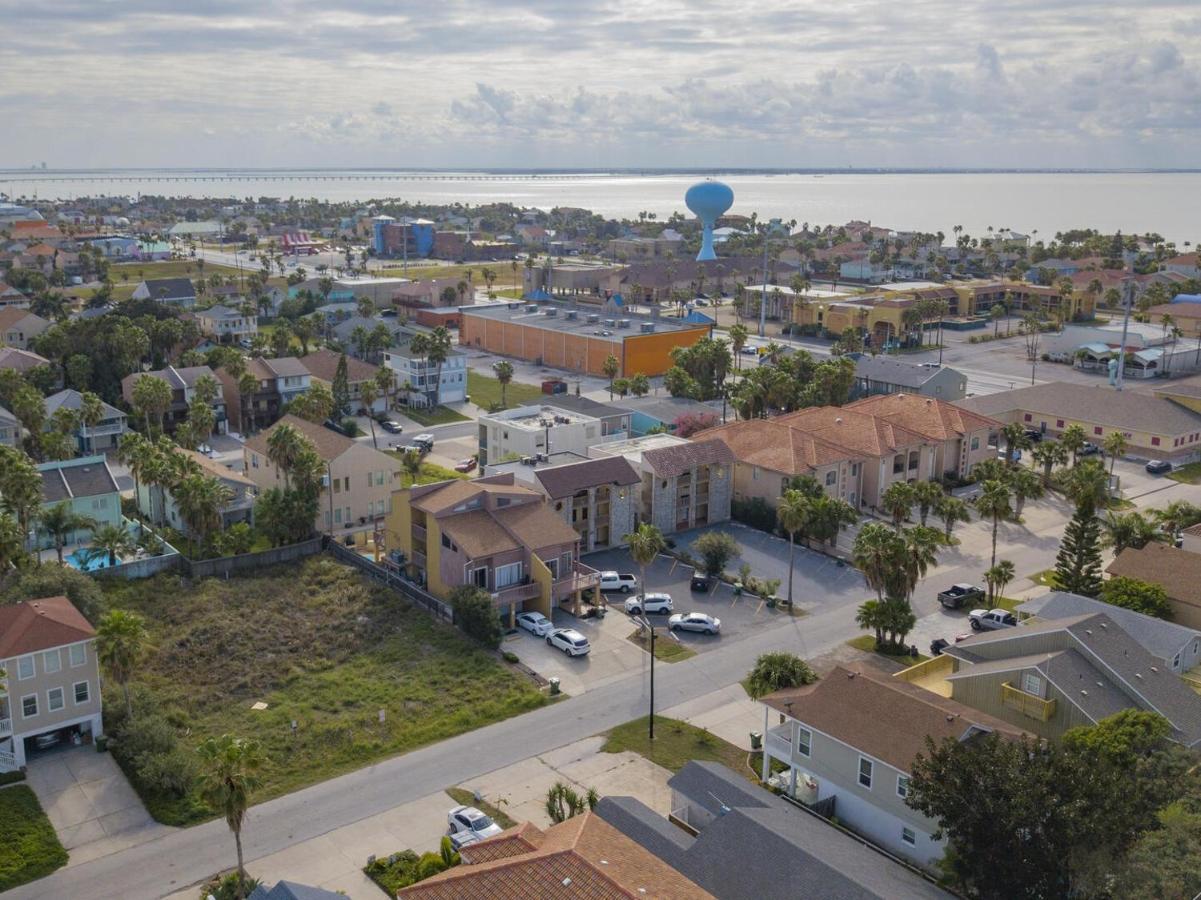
x=1128 y=302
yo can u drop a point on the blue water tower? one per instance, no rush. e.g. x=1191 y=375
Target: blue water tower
x=709 y=200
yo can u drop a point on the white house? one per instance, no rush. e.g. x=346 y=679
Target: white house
x=422 y=376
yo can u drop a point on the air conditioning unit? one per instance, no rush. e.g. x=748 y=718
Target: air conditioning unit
x=550 y=312
x=610 y=323
x=571 y=314
x=528 y=460
x=593 y=318
x=647 y=327
x=532 y=308
x=623 y=323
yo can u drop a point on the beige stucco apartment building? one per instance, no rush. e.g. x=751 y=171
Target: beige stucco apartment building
x=359 y=480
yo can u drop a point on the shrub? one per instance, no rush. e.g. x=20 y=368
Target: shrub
x=392 y=873
x=776 y=671
x=754 y=512
x=475 y=614
x=716 y=548
x=1140 y=596
x=53 y=581
x=225 y=887
x=429 y=864
x=11 y=777
x=509 y=656
x=351 y=427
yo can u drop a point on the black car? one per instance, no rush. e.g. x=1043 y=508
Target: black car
x=1159 y=467
x=1035 y=436
x=701 y=581
x=938 y=645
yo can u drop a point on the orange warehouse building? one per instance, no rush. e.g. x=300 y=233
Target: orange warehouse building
x=576 y=339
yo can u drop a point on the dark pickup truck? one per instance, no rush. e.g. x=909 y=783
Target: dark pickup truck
x=958 y=594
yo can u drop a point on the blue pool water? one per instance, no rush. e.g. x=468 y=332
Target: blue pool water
x=78 y=559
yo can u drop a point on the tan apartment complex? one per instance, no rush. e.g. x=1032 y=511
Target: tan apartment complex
x=358 y=484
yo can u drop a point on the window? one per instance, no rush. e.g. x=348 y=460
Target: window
x=1032 y=684
x=804 y=741
x=337 y=486
x=29 y=706
x=1096 y=429
x=1059 y=423
x=338 y=516
x=78 y=655
x=24 y=668
x=914 y=459
x=52 y=661
x=754 y=473
x=902 y=786
x=54 y=699
x=909 y=836
x=508 y=575
x=865 y=773
x=976 y=443
x=1176 y=661
x=82 y=694
x=1028 y=417
x=1154 y=442
x=831 y=478
x=854 y=469
x=898 y=464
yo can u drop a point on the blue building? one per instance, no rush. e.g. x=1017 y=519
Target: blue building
x=400 y=237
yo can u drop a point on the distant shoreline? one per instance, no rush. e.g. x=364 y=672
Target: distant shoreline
x=30 y=173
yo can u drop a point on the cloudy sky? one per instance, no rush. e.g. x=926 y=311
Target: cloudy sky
x=601 y=82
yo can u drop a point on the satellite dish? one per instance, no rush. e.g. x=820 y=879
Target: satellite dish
x=709 y=200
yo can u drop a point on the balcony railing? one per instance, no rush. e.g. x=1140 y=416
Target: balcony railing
x=580 y=578
x=1027 y=704
x=516 y=593
x=6 y=727
x=779 y=742
x=419 y=532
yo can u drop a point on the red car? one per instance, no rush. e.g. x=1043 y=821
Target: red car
x=467 y=465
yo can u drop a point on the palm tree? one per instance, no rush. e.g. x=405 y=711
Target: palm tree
x=504 y=374
x=229 y=775
x=1072 y=439
x=91 y=412
x=897 y=501
x=793 y=513
x=928 y=494
x=1130 y=530
x=996 y=313
x=438 y=352
x=951 y=510
x=1049 y=454
x=61 y=521
x=645 y=543
x=1176 y=516
x=611 y=367
x=410 y=461
x=110 y=542
x=122 y=642
x=997 y=577
x=874 y=554
x=1087 y=485
x=1015 y=439
x=993 y=503
x=1115 y=445
x=872 y=616
x=283 y=448
x=20 y=490
x=368 y=396
x=12 y=548
x=738 y=338
x=919 y=554
x=200 y=499
x=1025 y=485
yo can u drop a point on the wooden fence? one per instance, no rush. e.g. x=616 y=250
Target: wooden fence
x=403 y=586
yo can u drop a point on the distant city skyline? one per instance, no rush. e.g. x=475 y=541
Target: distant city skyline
x=603 y=84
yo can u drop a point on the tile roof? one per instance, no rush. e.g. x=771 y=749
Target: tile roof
x=40 y=625
x=328 y=443
x=671 y=461
x=859 y=432
x=20 y=360
x=934 y=419
x=535 y=525
x=1177 y=571
x=1185 y=310
x=1160 y=638
x=1125 y=410
x=584 y=857
x=11 y=315
x=881 y=716
x=323 y=364
x=566 y=480
x=88 y=476
x=774 y=445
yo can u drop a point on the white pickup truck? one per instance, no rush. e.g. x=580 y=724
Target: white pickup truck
x=991 y=619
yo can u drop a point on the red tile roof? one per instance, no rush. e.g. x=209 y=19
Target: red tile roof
x=41 y=625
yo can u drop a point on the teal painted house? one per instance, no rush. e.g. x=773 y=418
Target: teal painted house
x=88 y=485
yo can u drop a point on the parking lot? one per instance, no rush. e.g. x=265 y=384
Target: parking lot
x=612 y=655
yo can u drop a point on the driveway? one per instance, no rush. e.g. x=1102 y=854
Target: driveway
x=90 y=803
x=612 y=655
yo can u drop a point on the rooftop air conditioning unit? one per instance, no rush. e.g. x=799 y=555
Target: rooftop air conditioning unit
x=532 y=308
x=610 y=323
x=528 y=460
x=647 y=327
x=571 y=314
x=593 y=318
x=623 y=323
x=550 y=312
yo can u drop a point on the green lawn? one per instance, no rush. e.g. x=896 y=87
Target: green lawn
x=666 y=650
x=431 y=472
x=484 y=391
x=174 y=268
x=867 y=643
x=464 y=797
x=29 y=848
x=438 y=415
x=322 y=647
x=1046 y=578
x=675 y=744
x=1189 y=473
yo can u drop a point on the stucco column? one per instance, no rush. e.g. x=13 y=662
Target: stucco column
x=512 y=615
x=766 y=757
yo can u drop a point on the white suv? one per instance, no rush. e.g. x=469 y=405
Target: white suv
x=618 y=581
x=650 y=603
x=569 y=641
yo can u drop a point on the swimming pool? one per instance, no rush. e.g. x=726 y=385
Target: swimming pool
x=81 y=559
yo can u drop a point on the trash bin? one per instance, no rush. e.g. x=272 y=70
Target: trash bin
x=756 y=740
x=554 y=686
x=101 y=744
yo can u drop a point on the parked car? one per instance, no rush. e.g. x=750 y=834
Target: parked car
x=991 y=619
x=1088 y=448
x=391 y=426
x=569 y=641
x=535 y=623
x=700 y=581
x=334 y=425
x=618 y=581
x=48 y=740
x=1159 y=467
x=650 y=603
x=694 y=621
x=1034 y=435
x=466 y=465
x=958 y=594
x=470 y=821
x=413 y=448
x=424 y=441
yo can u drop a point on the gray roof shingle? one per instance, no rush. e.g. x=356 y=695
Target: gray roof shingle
x=170 y=288
x=890 y=371
x=1127 y=410
x=563 y=481
x=88 y=476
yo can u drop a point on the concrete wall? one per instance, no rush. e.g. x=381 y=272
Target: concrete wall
x=249 y=562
